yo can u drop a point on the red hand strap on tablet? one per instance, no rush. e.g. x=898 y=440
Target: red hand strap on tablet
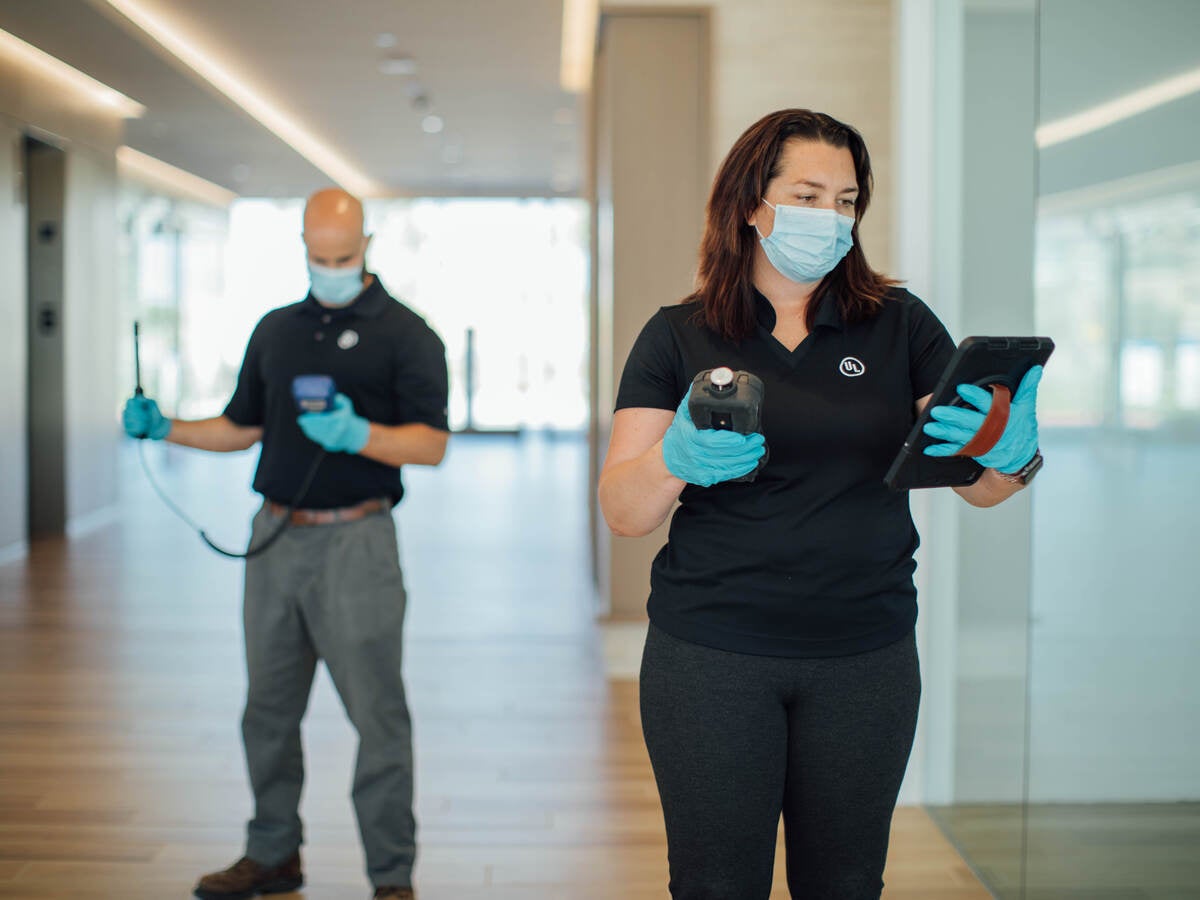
x=993 y=425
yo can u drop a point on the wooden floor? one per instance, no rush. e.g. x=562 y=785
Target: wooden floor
x=121 y=683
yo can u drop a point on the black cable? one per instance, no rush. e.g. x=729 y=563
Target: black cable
x=251 y=551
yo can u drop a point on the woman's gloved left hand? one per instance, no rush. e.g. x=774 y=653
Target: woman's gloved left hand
x=340 y=430
x=957 y=425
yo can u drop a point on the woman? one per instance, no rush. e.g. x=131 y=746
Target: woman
x=780 y=672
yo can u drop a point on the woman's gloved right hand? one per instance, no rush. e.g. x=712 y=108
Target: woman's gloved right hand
x=706 y=456
x=142 y=419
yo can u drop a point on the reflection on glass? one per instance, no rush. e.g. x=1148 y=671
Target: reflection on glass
x=1114 y=770
x=1121 y=282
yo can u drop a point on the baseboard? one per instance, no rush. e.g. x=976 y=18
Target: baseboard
x=78 y=526
x=622 y=644
x=14 y=552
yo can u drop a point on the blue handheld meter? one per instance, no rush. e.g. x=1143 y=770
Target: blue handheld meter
x=313 y=393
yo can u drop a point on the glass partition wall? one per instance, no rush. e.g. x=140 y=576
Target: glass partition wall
x=1114 y=712
x=1076 y=744
x=978 y=567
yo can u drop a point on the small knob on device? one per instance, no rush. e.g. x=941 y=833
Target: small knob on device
x=721 y=379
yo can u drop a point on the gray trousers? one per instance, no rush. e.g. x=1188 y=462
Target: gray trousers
x=332 y=593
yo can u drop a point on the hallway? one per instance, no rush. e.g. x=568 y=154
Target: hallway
x=121 y=685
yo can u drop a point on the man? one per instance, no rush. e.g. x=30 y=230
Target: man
x=331 y=587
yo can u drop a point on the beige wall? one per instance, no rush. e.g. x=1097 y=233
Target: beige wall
x=34 y=104
x=91 y=323
x=651 y=115
x=835 y=56
x=12 y=342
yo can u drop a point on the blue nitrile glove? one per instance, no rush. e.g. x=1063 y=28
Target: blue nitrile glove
x=957 y=426
x=707 y=456
x=142 y=419
x=341 y=430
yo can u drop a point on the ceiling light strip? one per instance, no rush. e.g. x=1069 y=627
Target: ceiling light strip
x=580 y=19
x=1118 y=110
x=32 y=59
x=269 y=115
x=160 y=176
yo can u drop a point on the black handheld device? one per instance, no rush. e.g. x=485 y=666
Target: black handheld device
x=726 y=400
x=137 y=359
x=994 y=363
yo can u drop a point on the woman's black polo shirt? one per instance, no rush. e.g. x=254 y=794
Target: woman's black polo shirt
x=381 y=355
x=815 y=557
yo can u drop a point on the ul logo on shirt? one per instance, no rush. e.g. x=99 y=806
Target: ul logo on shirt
x=852 y=367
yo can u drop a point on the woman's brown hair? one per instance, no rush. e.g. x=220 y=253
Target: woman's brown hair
x=725 y=283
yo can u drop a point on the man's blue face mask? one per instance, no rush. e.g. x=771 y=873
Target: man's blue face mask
x=335 y=287
x=806 y=244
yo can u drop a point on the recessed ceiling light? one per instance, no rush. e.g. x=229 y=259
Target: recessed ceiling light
x=385 y=40
x=432 y=124
x=398 y=65
x=234 y=85
x=29 y=57
x=137 y=166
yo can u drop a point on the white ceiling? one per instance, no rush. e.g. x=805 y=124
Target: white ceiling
x=489 y=69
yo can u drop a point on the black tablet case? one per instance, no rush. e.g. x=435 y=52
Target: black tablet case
x=978 y=360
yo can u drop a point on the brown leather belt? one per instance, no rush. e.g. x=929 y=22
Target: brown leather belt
x=330 y=516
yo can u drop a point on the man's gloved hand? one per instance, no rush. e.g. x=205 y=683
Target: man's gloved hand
x=142 y=419
x=708 y=456
x=340 y=430
x=957 y=425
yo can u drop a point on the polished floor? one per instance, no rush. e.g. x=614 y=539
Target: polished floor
x=1081 y=851
x=121 y=683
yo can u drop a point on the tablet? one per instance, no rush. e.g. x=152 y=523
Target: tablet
x=984 y=361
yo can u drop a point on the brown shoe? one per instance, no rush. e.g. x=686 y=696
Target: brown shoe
x=391 y=892
x=247 y=878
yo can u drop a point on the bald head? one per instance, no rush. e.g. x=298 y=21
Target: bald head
x=333 y=229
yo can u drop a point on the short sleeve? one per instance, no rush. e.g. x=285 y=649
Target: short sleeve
x=421 y=384
x=651 y=376
x=929 y=348
x=245 y=407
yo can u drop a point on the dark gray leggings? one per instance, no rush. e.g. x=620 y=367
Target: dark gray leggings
x=736 y=740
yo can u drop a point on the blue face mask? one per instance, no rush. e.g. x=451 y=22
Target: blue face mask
x=806 y=244
x=335 y=287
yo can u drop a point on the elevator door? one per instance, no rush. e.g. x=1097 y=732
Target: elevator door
x=45 y=167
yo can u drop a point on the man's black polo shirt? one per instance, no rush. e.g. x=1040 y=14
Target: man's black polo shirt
x=381 y=355
x=815 y=557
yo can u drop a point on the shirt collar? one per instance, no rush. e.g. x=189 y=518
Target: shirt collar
x=370 y=304
x=828 y=313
